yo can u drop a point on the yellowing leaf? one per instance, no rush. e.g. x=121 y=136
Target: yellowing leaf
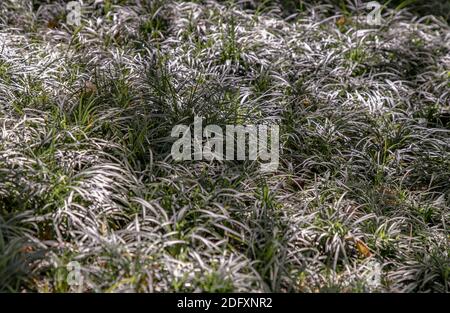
x=341 y=21
x=363 y=248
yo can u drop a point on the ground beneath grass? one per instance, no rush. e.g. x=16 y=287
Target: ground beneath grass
x=360 y=200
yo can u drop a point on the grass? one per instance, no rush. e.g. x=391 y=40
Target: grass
x=86 y=174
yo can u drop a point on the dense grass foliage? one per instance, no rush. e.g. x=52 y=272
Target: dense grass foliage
x=86 y=173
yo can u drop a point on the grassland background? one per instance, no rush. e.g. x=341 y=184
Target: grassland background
x=85 y=167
